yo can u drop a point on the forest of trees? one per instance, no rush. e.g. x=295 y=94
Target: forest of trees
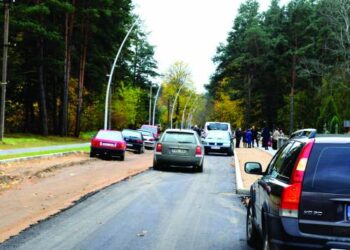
x=288 y=66
x=59 y=56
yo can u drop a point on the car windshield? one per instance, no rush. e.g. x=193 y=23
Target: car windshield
x=146 y=133
x=152 y=129
x=217 y=126
x=176 y=137
x=131 y=133
x=218 y=136
x=109 y=135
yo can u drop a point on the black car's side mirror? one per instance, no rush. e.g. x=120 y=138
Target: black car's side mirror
x=253 y=168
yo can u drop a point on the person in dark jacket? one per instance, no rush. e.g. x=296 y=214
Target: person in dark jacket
x=255 y=136
x=238 y=136
x=265 y=136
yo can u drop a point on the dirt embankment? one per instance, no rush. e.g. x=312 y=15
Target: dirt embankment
x=33 y=190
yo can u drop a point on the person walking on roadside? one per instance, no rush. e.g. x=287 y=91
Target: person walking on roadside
x=265 y=136
x=244 y=137
x=238 y=136
x=249 y=136
x=275 y=136
x=255 y=137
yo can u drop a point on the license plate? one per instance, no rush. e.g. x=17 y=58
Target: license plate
x=129 y=145
x=215 y=147
x=107 y=144
x=179 y=151
x=348 y=212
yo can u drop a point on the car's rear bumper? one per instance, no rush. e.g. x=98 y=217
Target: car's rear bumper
x=134 y=146
x=285 y=233
x=221 y=149
x=149 y=144
x=108 y=151
x=178 y=161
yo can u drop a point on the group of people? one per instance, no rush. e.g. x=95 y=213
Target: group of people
x=251 y=136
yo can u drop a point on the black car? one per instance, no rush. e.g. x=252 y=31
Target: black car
x=134 y=140
x=302 y=200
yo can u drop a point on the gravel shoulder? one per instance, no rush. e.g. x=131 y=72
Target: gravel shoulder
x=33 y=190
x=248 y=155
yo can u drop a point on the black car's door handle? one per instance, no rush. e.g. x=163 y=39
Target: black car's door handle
x=265 y=186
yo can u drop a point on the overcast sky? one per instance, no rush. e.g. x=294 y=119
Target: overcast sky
x=189 y=31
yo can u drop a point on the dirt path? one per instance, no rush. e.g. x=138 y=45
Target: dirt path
x=251 y=154
x=44 y=187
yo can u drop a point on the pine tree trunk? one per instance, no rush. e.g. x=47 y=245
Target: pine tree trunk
x=67 y=67
x=43 y=109
x=81 y=76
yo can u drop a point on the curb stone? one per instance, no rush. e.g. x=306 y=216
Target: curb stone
x=239 y=182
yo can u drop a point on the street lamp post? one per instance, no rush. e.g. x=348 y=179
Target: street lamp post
x=183 y=112
x=111 y=75
x=174 y=104
x=155 y=103
x=150 y=105
x=4 y=66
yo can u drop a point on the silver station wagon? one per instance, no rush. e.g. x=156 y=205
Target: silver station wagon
x=179 y=148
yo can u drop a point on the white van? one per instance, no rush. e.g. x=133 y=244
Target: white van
x=223 y=126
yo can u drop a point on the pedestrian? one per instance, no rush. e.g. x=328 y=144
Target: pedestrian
x=238 y=136
x=249 y=136
x=265 y=136
x=255 y=137
x=275 y=136
x=244 y=137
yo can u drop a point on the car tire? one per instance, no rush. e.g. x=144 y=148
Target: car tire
x=92 y=153
x=251 y=231
x=199 y=168
x=266 y=244
x=156 y=166
x=230 y=152
x=122 y=157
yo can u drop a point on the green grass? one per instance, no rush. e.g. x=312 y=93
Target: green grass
x=12 y=156
x=13 y=141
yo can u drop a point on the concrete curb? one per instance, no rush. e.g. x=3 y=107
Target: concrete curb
x=45 y=156
x=239 y=182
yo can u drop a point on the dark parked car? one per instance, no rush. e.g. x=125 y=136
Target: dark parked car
x=179 y=148
x=108 y=143
x=134 y=140
x=302 y=200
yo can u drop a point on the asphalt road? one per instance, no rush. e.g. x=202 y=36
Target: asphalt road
x=154 y=210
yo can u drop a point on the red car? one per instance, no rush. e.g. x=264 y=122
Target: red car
x=108 y=143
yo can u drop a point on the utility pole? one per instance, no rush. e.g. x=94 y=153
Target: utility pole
x=150 y=106
x=4 y=66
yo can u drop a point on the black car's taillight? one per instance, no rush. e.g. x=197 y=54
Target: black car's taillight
x=290 y=198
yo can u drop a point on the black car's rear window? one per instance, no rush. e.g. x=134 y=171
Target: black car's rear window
x=328 y=169
x=131 y=133
x=176 y=137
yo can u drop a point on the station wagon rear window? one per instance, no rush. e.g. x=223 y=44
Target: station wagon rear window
x=328 y=170
x=109 y=135
x=179 y=137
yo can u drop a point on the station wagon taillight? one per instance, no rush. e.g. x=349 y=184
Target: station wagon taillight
x=159 y=148
x=198 y=151
x=290 y=198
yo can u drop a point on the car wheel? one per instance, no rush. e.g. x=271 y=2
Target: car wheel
x=122 y=157
x=230 y=152
x=200 y=168
x=267 y=245
x=251 y=231
x=92 y=153
x=156 y=166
